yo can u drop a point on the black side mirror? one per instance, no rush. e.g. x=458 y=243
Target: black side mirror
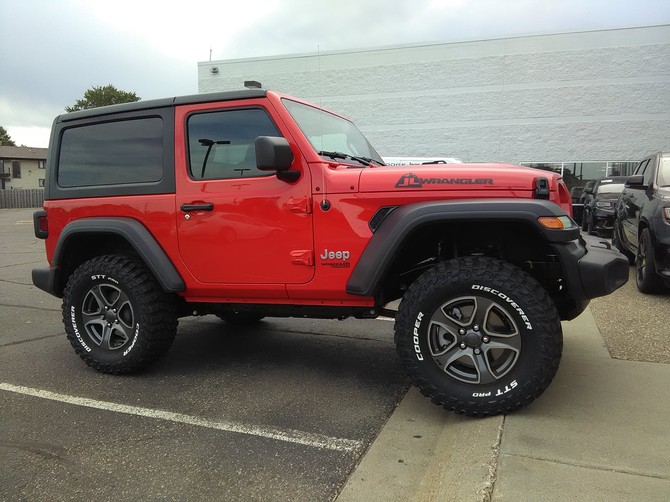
x=635 y=181
x=273 y=154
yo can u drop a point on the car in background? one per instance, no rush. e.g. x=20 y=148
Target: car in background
x=585 y=191
x=416 y=161
x=599 y=202
x=642 y=222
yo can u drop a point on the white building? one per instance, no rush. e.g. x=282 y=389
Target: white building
x=587 y=100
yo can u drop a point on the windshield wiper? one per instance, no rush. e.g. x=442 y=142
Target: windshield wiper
x=366 y=161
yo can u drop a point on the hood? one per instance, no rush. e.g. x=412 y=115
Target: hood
x=607 y=196
x=452 y=177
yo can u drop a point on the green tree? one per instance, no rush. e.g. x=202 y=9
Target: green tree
x=102 y=96
x=5 y=140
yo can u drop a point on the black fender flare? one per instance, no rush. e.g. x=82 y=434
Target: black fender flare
x=134 y=232
x=399 y=224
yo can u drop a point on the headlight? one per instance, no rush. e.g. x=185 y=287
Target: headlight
x=666 y=213
x=604 y=205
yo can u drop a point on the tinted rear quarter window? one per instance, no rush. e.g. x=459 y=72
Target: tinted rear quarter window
x=112 y=153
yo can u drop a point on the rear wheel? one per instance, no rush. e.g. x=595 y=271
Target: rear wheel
x=116 y=315
x=645 y=275
x=479 y=336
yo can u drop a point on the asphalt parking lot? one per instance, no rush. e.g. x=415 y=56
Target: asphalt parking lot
x=284 y=411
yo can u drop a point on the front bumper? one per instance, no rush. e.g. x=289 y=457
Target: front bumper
x=591 y=269
x=603 y=220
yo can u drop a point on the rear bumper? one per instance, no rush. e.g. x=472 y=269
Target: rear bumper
x=591 y=269
x=45 y=279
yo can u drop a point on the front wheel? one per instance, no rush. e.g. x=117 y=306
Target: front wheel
x=117 y=317
x=479 y=336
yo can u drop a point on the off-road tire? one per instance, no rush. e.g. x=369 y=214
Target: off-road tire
x=618 y=245
x=504 y=313
x=646 y=279
x=116 y=316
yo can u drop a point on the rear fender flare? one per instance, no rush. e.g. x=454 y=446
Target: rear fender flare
x=137 y=235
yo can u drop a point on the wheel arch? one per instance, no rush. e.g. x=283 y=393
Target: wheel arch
x=400 y=228
x=84 y=239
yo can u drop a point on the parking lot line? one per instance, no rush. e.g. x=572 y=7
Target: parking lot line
x=287 y=435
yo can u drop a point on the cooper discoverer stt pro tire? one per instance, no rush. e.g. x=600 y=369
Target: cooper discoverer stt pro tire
x=116 y=316
x=479 y=336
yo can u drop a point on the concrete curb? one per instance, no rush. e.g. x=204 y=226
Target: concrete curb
x=598 y=433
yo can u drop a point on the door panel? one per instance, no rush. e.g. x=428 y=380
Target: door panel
x=236 y=224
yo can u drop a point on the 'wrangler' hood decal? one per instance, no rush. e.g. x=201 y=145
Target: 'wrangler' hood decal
x=411 y=180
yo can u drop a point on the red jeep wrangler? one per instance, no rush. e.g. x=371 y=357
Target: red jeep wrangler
x=250 y=204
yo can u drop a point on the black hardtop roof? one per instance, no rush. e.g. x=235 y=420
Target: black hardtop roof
x=162 y=103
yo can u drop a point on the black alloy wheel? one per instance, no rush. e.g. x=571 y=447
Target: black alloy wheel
x=116 y=316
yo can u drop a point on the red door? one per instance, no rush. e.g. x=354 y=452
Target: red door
x=237 y=224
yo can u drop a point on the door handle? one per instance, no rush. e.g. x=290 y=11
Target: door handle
x=206 y=206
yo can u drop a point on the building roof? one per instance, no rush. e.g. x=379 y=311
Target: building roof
x=22 y=152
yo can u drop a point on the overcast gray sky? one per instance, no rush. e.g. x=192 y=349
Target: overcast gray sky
x=51 y=51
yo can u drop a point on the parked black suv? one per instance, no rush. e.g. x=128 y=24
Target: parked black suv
x=642 y=222
x=599 y=203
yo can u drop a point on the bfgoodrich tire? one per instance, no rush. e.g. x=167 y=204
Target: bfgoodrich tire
x=479 y=336
x=116 y=316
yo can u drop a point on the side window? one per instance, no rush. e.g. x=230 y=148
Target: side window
x=641 y=167
x=221 y=144
x=112 y=153
x=649 y=171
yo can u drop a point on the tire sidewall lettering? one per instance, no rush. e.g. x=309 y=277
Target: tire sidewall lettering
x=508 y=300
x=416 y=337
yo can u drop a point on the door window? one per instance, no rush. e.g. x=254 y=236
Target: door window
x=221 y=144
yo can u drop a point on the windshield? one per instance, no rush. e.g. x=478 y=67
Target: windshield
x=664 y=172
x=611 y=188
x=329 y=133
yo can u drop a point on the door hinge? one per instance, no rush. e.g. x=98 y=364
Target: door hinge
x=300 y=205
x=302 y=257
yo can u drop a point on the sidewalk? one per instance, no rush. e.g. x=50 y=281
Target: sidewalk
x=600 y=432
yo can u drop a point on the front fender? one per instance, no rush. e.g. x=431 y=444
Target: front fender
x=401 y=222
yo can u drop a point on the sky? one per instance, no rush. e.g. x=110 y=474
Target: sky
x=52 y=51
